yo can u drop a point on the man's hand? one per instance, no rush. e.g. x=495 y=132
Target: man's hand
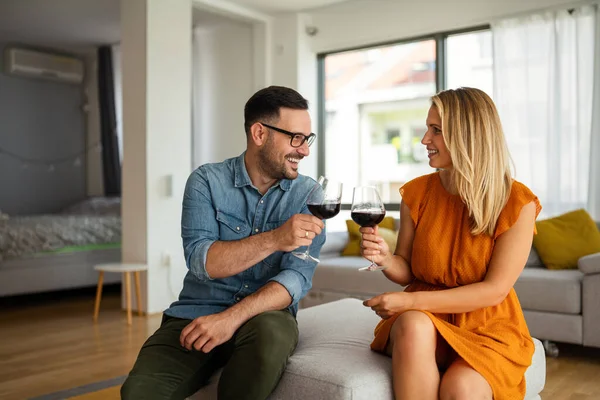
x=388 y=304
x=299 y=230
x=206 y=333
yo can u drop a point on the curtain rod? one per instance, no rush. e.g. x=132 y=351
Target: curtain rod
x=558 y=7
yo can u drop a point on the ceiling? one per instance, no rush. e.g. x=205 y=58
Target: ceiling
x=278 y=6
x=73 y=24
x=64 y=23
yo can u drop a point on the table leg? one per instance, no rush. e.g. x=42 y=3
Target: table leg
x=98 y=295
x=138 y=295
x=128 y=295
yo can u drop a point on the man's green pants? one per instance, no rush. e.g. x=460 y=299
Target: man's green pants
x=253 y=361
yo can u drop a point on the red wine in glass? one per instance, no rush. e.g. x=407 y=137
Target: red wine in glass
x=367 y=219
x=324 y=202
x=367 y=211
x=325 y=210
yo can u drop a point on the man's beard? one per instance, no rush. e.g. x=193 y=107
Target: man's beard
x=270 y=165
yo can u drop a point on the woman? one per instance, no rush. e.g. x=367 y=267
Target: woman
x=458 y=331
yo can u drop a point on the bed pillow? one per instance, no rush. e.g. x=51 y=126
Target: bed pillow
x=99 y=206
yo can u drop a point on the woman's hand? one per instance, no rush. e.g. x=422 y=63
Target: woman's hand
x=387 y=305
x=373 y=247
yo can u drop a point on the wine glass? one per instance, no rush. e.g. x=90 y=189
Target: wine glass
x=367 y=211
x=324 y=202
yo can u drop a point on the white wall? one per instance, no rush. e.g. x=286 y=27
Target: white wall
x=133 y=167
x=169 y=137
x=223 y=82
x=295 y=66
x=156 y=56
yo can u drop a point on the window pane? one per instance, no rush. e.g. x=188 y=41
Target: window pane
x=376 y=103
x=469 y=61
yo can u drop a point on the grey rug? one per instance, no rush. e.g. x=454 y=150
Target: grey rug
x=89 y=388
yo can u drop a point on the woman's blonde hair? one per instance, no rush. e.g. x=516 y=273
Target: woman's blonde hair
x=481 y=174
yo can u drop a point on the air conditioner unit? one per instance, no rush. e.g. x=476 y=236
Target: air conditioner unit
x=37 y=64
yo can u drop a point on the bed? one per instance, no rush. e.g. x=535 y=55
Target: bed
x=41 y=253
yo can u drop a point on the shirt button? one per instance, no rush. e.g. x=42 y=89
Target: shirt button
x=238 y=228
x=246 y=286
x=256 y=230
x=237 y=299
x=262 y=201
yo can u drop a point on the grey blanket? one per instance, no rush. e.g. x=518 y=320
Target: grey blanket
x=22 y=236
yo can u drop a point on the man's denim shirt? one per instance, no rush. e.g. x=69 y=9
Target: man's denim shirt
x=221 y=204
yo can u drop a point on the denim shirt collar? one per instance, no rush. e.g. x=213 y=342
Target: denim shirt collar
x=243 y=179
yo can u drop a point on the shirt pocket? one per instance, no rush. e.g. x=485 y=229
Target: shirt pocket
x=231 y=227
x=273 y=260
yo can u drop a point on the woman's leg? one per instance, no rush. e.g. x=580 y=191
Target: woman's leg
x=461 y=382
x=416 y=349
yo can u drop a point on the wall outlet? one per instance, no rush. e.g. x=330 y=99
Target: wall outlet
x=168 y=179
x=166 y=259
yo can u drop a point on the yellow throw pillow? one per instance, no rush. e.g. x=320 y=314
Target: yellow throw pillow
x=563 y=240
x=390 y=236
x=386 y=231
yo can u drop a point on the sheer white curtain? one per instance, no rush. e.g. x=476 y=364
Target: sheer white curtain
x=594 y=191
x=544 y=90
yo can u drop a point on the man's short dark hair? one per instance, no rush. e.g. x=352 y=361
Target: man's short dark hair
x=264 y=105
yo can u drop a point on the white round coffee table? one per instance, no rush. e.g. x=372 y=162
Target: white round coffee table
x=126 y=269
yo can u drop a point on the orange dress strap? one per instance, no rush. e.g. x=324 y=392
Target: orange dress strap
x=520 y=196
x=414 y=195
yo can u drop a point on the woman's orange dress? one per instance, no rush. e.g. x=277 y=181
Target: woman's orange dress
x=495 y=341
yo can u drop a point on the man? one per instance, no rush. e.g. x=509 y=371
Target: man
x=241 y=219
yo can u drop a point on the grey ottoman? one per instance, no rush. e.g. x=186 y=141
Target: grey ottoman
x=333 y=360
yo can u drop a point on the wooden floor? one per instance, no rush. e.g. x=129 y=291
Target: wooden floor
x=55 y=346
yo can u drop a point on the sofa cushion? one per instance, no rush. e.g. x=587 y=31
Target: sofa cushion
x=334 y=363
x=329 y=362
x=562 y=240
x=341 y=274
x=535 y=376
x=557 y=291
x=567 y=328
x=590 y=264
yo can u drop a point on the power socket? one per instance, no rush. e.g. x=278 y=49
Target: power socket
x=166 y=259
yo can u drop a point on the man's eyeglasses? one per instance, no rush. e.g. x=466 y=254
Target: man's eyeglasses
x=296 y=139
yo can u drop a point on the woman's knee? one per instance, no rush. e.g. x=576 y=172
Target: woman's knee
x=461 y=382
x=413 y=327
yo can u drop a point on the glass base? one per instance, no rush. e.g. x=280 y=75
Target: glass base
x=372 y=267
x=305 y=256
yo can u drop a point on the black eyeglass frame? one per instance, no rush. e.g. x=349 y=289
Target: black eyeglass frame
x=310 y=138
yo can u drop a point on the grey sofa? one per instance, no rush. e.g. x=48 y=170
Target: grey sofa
x=559 y=305
x=562 y=305
x=333 y=360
